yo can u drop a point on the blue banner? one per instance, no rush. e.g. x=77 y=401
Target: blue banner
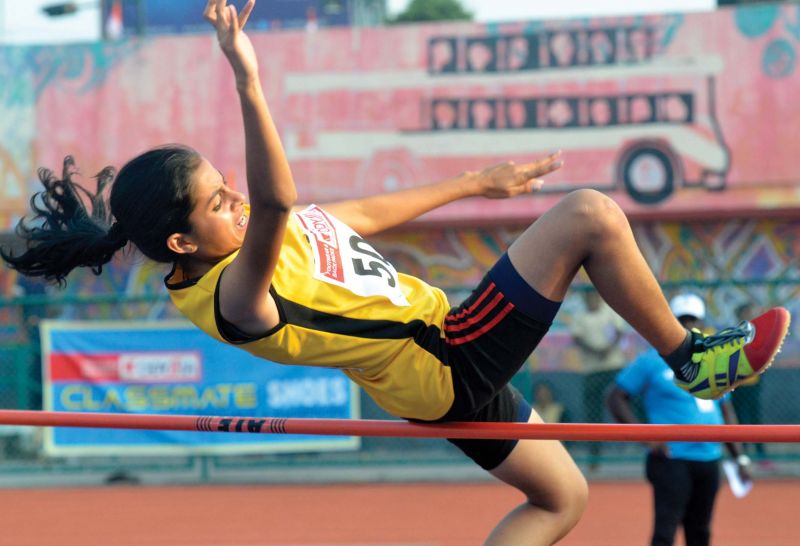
x=173 y=368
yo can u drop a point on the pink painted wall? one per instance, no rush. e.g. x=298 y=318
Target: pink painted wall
x=698 y=112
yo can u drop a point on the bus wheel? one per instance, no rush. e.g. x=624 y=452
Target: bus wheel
x=648 y=174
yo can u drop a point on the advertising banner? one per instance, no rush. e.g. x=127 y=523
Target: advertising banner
x=173 y=368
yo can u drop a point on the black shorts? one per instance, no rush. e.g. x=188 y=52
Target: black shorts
x=489 y=337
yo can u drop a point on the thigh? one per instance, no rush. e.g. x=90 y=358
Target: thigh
x=549 y=253
x=545 y=472
x=507 y=406
x=490 y=335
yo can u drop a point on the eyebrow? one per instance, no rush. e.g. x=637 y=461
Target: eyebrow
x=218 y=190
x=214 y=194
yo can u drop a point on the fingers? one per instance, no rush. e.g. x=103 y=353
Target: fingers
x=224 y=16
x=233 y=19
x=551 y=163
x=245 y=14
x=210 y=12
x=534 y=185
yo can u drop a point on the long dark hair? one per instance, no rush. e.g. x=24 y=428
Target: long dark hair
x=73 y=227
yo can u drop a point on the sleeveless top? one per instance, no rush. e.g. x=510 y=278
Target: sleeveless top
x=341 y=305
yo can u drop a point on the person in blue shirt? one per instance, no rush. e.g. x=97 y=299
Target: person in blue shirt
x=684 y=476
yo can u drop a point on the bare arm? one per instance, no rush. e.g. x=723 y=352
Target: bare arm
x=244 y=288
x=380 y=212
x=619 y=405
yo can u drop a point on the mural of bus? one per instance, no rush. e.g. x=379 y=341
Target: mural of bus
x=656 y=110
x=627 y=117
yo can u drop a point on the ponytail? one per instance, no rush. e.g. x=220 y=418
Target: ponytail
x=150 y=200
x=64 y=233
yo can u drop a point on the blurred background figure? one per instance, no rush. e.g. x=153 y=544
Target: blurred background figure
x=684 y=476
x=747 y=399
x=597 y=331
x=545 y=404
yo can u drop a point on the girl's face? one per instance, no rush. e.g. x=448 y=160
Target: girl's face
x=219 y=219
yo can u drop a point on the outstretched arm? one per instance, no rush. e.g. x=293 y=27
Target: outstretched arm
x=373 y=214
x=244 y=288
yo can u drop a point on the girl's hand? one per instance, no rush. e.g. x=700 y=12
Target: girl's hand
x=234 y=42
x=508 y=179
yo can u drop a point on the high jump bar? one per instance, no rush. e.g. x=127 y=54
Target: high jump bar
x=403 y=429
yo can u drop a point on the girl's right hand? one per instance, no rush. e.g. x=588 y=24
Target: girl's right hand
x=234 y=42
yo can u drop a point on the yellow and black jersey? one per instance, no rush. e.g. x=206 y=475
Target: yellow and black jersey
x=342 y=305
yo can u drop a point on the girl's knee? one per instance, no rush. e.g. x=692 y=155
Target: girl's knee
x=578 y=499
x=573 y=496
x=595 y=213
x=567 y=505
x=569 y=495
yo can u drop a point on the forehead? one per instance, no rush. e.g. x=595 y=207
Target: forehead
x=205 y=179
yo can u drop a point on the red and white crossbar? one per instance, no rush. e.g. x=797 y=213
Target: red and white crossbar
x=403 y=429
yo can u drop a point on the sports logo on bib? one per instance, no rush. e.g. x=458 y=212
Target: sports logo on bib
x=343 y=258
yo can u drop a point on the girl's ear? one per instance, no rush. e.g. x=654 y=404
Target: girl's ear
x=181 y=243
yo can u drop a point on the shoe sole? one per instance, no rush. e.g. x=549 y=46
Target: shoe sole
x=766 y=366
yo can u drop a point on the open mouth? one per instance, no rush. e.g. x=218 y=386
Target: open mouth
x=242 y=221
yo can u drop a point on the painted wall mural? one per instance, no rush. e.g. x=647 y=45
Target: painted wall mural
x=672 y=115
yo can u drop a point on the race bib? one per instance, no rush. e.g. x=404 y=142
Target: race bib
x=343 y=258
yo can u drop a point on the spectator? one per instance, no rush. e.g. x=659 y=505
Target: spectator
x=545 y=404
x=684 y=476
x=597 y=332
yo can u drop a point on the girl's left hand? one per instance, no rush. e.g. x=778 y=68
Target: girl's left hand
x=509 y=179
x=234 y=42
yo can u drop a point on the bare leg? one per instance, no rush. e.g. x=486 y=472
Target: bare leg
x=587 y=229
x=556 y=493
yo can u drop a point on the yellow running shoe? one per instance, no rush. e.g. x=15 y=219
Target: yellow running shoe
x=733 y=356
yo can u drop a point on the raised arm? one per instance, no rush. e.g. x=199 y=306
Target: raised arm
x=376 y=213
x=244 y=288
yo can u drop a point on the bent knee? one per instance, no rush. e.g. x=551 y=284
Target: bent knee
x=594 y=213
x=565 y=496
x=571 y=498
x=576 y=500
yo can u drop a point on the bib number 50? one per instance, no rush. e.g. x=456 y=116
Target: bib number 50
x=373 y=264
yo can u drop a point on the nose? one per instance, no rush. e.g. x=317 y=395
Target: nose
x=236 y=198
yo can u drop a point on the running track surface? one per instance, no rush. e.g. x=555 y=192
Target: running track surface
x=427 y=514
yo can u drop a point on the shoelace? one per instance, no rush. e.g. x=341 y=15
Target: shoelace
x=727 y=335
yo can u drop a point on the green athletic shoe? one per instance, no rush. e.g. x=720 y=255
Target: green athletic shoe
x=735 y=355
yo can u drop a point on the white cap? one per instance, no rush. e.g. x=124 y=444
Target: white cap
x=688 y=304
